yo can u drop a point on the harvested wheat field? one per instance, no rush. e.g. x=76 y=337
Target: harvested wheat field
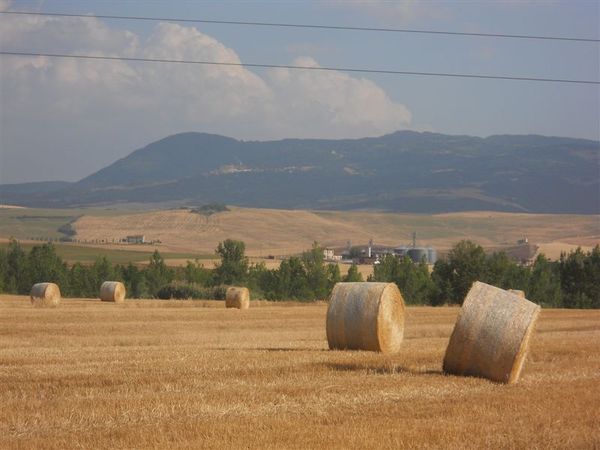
x=190 y=374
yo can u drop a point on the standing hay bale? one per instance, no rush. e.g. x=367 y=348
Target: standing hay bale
x=491 y=335
x=45 y=295
x=237 y=297
x=112 y=291
x=518 y=292
x=365 y=316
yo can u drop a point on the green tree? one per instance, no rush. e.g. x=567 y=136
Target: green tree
x=544 y=283
x=386 y=270
x=81 y=282
x=46 y=266
x=316 y=273
x=195 y=273
x=17 y=278
x=233 y=268
x=157 y=273
x=466 y=263
x=333 y=276
x=353 y=275
x=501 y=271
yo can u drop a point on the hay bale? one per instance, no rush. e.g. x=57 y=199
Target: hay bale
x=518 y=292
x=237 y=297
x=112 y=291
x=365 y=316
x=45 y=295
x=491 y=335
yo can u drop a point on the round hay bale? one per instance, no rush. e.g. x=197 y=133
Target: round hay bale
x=365 y=316
x=491 y=335
x=237 y=297
x=112 y=291
x=518 y=292
x=45 y=295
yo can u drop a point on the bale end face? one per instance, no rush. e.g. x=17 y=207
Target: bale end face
x=237 y=297
x=45 y=295
x=365 y=316
x=112 y=291
x=491 y=335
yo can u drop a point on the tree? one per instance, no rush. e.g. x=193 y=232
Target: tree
x=501 y=271
x=465 y=264
x=157 y=274
x=46 y=266
x=353 y=275
x=233 y=268
x=412 y=279
x=195 y=273
x=544 y=283
x=17 y=278
x=316 y=274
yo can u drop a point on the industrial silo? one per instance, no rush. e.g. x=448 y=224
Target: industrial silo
x=417 y=254
x=431 y=255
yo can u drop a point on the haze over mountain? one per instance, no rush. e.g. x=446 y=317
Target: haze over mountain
x=402 y=171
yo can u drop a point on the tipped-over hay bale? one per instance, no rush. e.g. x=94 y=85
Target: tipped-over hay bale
x=45 y=295
x=237 y=297
x=491 y=335
x=518 y=292
x=365 y=316
x=112 y=291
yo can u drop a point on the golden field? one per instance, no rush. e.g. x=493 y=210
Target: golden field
x=283 y=232
x=191 y=374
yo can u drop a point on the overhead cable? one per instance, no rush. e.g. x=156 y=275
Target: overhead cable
x=297 y=67
x=304 y=25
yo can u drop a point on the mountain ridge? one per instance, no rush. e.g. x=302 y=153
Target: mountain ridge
x=401 y=171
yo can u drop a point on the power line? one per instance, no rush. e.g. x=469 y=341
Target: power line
x=284 y=66
x=303 y=25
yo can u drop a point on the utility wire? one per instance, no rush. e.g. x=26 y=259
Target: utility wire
x=303 y=25
x=283 y=66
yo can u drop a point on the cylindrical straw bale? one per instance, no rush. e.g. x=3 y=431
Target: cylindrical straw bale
x=237 y=297
x=365 y=316
x=491 y=335
x=518 y=292
x=45 y=295
x=113 y=291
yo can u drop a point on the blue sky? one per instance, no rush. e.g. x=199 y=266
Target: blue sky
x=66 y=119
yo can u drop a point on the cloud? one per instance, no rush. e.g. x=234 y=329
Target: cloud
x=64 y=118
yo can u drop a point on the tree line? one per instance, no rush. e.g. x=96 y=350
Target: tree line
x=571 y=282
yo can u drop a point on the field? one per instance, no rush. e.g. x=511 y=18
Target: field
x=72 y=253
x=281 y=232
x=183 y=374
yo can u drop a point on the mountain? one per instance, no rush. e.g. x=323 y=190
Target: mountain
x=403 y=171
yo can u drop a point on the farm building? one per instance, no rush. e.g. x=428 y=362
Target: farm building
x=135 y=239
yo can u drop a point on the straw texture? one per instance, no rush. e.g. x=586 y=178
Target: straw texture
x=113 y=291
x=237 y=297
x=365 y=316
x=45 y=295
x=491 y=335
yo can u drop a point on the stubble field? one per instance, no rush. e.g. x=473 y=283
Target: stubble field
x=191 y=374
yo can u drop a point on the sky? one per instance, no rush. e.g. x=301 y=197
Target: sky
x=63 y=119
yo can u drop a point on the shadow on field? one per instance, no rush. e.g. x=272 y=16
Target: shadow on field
x=380 y=369
x=272 y=349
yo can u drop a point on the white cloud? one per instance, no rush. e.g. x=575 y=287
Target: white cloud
x=91 y=112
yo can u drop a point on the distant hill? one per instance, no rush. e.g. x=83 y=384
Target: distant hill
x=403 y=171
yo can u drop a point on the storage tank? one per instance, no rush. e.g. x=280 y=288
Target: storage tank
x=431 y=255
x=400 y=251
x=417 y=254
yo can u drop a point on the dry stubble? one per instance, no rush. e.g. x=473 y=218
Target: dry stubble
x=181 y=374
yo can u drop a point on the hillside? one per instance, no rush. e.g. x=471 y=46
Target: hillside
x=404 y=171
x=279 y=232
